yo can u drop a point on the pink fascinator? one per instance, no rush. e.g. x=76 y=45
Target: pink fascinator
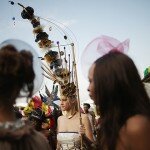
x=99 y=47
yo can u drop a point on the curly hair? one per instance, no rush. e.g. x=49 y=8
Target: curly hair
x=16 y=73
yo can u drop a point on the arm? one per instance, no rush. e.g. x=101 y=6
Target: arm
x=87 y=125
x=58 y=123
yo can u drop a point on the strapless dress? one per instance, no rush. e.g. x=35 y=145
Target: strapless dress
x=68 y=141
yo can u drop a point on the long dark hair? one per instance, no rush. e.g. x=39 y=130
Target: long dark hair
x=119 y=94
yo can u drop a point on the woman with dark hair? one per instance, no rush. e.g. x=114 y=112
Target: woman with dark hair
x=117 y=90
x=16 y=74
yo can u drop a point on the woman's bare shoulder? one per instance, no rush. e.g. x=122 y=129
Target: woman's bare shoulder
x=136 y=133
x=138 y=123
x=61 y=117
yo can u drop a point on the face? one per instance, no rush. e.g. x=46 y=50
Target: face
x=65 y=104
x=85 y=108
x=91 y=82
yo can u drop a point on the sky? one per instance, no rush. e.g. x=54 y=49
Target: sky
x=86 y=19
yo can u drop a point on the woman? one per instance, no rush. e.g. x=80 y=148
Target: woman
x=69 y=129
x=116 y=88
x=16 y=74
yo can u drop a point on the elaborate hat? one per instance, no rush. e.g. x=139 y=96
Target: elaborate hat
x=99 y=47
x=59 y=62
x=22 y=45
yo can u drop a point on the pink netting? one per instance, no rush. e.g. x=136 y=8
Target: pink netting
x=99 y=47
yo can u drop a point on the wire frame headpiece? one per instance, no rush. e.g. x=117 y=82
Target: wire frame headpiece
x=99 y=47
x=59 y=63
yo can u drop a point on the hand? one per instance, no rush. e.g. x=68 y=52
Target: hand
x=45 y=125
x=82 y=129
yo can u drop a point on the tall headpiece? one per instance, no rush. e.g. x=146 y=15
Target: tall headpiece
x=58 y=61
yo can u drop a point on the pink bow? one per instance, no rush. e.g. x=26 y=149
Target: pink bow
x=104 y=44
x=99 y=47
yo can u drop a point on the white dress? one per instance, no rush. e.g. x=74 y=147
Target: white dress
x=68 y=141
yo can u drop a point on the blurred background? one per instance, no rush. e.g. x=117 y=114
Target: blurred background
x=86 y=20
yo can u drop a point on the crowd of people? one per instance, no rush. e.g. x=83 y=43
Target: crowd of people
x=115 y=87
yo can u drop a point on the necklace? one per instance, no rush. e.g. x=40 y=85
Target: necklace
x=69 y=117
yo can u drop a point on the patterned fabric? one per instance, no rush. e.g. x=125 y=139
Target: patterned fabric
x=19 y=135
x=68 y=141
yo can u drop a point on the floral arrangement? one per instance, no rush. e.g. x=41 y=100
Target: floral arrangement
x=39 y=111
